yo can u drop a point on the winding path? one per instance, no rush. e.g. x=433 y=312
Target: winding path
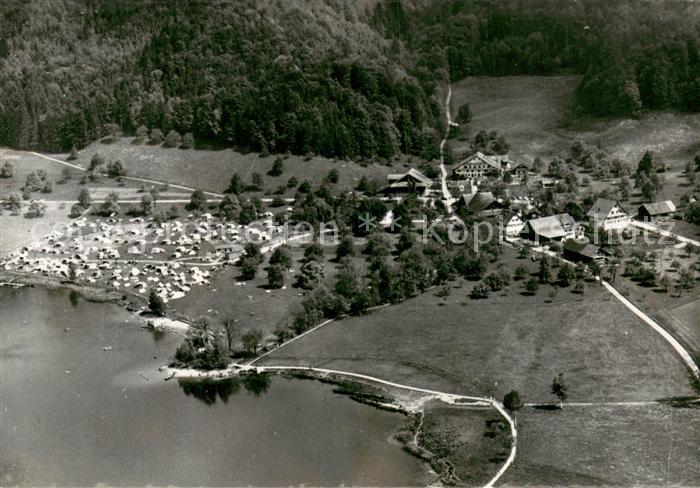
x=446 y=195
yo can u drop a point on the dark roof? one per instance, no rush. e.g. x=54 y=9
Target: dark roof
x=480 y=201
x=601 y=208
x=583 y=248
x=658 y=208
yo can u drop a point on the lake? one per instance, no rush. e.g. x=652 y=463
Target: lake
x=74 y=414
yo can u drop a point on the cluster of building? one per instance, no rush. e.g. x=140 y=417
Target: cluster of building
x=479 y=205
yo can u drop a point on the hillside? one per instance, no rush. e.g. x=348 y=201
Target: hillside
x=338 y=79
x=211 y=170
x=533 y=114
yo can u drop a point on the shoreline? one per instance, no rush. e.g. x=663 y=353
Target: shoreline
x=400 y=398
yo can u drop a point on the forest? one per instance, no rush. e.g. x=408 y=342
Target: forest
x=340 y=79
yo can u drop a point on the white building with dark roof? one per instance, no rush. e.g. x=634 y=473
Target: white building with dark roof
x=608 y=214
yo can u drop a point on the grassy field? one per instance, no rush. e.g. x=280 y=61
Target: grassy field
x=650 y=445
x=531 y=112
x=17 y=231
x=508 y=341
x=212 y=170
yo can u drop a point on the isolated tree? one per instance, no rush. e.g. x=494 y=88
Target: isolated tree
x=531 y=286
x=36 y=208
x=96 y=161
x=251 y=340
x=277 y=168
x=544 y=274
x=84 y=198
x=559 y=389
x=197 y=201
x=333 y=176
x=146 y=204
x=156 y=304
x=110 y=205
x=579 y=287
x=280 y=257
x=72 y=272
x=229 y=326
x=35 y=181
x=141 y=134
x=565 y=275
x=48 y=187
x=173 y=139
x=73 y=154
x=512 y=401
x=313 y=252
x=156 y=136
x=275 y=277
x=480 y=290
x=464 y=114
x=685 y=279
x=7 y=170
x=310 y=275
x=345 y=247
x=155 y=194
x=187 y=141
x=14 y=203
x=520 y=272
x=249 y=268
x=252 y=251
x=624 y=189
x=76 y=210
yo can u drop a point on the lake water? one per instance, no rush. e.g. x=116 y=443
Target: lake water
x=73 y=414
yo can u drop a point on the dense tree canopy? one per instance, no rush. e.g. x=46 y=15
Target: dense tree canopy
x=322 y=76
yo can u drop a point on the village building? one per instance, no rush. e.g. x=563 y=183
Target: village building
x=481 y=204
x=607 y=214
x=552 y=228
x=511 y=225
x=479 y=166
x=653 y=212
x=404 y=184
x=520 y=172
x=583 y=252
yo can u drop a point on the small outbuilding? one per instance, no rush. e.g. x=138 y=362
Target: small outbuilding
x=650 y=212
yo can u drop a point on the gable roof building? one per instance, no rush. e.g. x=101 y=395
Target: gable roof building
x=552 y=228
x=577 y=251
x=608 y=214
x=481 y=204
x=477 y=166
x=511 y=224
x=412 y=181
x=656 y=210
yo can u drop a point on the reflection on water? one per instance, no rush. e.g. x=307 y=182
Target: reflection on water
x=256 y=383
x=73 y=297
x=208 y=390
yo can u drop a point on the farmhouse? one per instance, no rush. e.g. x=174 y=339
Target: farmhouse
x=552 y=228
x=520 y=171
x=479 y=166
x=608 y=214
x=655 y=211
x=481 y=204
x=583 y=252
x=511 y=225
x=410 y=182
